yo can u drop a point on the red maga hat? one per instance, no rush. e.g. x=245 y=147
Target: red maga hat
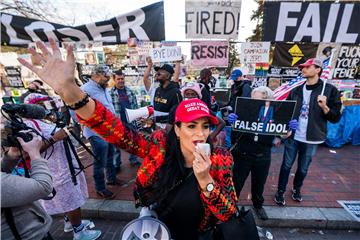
x=312 y=61
x=192 y=109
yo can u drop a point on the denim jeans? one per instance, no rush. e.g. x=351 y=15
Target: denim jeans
x=293 y=148
x=104 y=153
x=117 y=158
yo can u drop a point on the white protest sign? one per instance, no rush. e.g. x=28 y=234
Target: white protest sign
x=255 y=52
x=212 y=19
x=166 y=54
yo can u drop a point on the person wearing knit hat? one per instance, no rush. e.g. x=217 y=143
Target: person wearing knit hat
x=192 y=90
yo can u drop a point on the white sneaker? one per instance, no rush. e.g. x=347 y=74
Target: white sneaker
x=87 y=223
x=87 y=234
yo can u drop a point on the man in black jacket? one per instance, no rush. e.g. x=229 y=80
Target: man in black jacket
x=205 y=77
x=313 y=110
x=167 y=94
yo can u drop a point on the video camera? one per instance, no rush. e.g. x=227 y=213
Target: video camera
x=14 y=113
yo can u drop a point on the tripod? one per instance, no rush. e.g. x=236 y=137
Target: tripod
x=70 y=149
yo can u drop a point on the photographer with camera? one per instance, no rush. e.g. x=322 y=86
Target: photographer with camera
x=22 y=216
x=70 y=196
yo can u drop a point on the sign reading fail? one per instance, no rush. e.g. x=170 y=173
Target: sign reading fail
x=263 y=116
x=166 y=54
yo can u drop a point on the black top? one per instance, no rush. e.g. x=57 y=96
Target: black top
x=167 y=97
x=240 y=88
x=185 y=210
x=248 y=144
x=206 y=96
x=317 y=122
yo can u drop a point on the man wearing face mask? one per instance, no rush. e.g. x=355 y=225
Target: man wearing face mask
x=166 y=95
x=104 y=152
x=240 y=88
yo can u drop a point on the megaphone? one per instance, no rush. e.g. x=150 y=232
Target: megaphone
x=145 y=227
x=133 y=114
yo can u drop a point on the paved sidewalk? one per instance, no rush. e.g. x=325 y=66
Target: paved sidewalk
x=334 y=175
x=111 y=230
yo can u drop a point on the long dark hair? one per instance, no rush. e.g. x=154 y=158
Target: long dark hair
x=173 y=170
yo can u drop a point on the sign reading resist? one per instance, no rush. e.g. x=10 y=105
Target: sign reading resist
x=146 y=23
x=263 y=116
x=212 y=19
x=209 y=53
x=166 y=54
x=305 y=21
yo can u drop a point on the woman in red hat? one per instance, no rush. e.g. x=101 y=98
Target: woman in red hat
x=192 y=190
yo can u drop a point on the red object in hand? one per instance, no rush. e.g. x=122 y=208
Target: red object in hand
x=150 y=110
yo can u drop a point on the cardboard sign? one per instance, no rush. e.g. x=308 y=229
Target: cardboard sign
x=324 y=52
x=212 y=19
x=209 y=53
x=166 y=54
x=310 y=21
x=263 y=116
x=13 y=77
x=146 y=23
x=144 y=47
x=255 y=52
x=348 y=62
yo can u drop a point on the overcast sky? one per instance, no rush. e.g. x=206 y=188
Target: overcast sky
x=86 y=11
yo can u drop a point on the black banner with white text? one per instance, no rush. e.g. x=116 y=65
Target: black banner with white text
x=305 y=21
x=146 y=23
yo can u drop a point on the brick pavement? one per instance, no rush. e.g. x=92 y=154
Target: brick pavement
x=332 y=176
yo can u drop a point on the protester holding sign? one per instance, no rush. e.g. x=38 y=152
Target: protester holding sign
x=253 y=154
x=151 y=86
x=312 y=111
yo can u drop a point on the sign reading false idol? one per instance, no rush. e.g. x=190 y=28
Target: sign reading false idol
x=146 y=23
x=315 y=21
x=267 y=117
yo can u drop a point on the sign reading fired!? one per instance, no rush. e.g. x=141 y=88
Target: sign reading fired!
x=212 y=19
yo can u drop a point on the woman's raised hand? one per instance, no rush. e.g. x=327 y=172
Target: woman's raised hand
x=56 y=72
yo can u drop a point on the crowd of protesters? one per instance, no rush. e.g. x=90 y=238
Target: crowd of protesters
x=174 y=175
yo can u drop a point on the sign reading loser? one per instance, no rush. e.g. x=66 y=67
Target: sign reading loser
x=305 y=21
x=146 y=23
x=212 y=19
x=255 y=52
x=166 y=54
x=209 y=53
x=263 y=116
